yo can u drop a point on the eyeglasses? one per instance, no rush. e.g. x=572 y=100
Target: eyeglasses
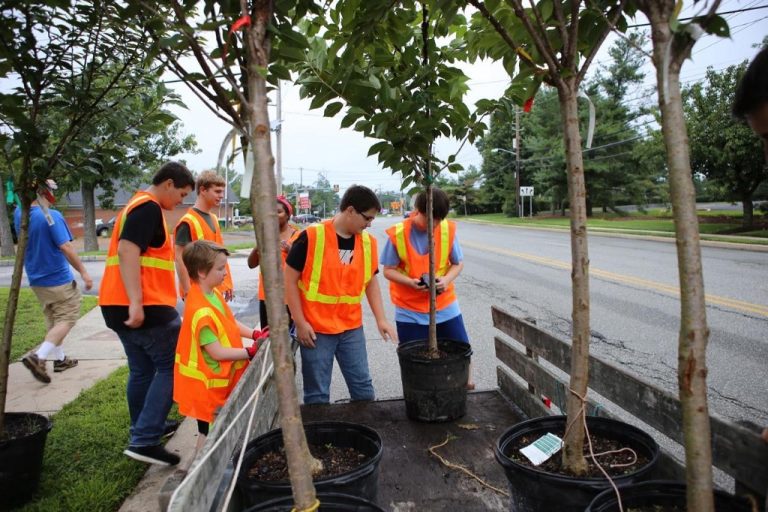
x=368 y=218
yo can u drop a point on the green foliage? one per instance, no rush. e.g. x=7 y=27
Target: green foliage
x=392 y=81
x=723 y=149
x=29 y=329
x=65 y=60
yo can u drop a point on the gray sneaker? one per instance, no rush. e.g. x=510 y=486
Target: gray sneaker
x=37 y=366
x=64 y=364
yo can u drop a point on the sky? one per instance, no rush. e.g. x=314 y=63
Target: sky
x=314 y=145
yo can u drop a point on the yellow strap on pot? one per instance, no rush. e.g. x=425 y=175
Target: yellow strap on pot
x=313 y=508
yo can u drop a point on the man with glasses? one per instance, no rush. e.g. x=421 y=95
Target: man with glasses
x=329 y=268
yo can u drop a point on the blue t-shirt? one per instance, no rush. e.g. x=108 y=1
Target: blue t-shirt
x=44 y=262
x=419 y=241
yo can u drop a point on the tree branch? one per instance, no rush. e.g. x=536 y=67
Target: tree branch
x=593 y=51
x=549 y=58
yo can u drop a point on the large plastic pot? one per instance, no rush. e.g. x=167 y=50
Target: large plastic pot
x=663 y=493
x=329 y=502
x=434 y=389
x=535 y=490
x=21 y=458
x=362 y=481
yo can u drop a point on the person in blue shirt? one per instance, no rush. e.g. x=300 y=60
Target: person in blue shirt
x=405 y=258
x=47 y=261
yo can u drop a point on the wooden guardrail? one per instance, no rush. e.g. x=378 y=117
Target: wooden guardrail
x=736 y=450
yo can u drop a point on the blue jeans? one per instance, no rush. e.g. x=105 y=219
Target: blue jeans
x=151 y=354
x=452 y=329
x=317 y=366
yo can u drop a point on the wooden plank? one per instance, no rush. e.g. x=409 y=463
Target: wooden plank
x=736 y=450
x=198 y=489
x=518 y=394
x=547 y=384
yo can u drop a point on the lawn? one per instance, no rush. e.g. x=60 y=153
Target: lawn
x=83 y=467
x=710 y=225
x=29 y=329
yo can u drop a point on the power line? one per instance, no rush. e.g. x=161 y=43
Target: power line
x=746 y=9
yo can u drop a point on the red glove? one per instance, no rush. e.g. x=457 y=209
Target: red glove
x=259 y=334
x=252 y=349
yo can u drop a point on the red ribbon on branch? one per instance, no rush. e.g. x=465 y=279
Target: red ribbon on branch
x=242 y=22
x=528 y=105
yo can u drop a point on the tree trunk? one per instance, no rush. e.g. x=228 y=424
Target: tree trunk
x=694 y=334
x=6 y=238
x=263 y=193
x=10 y=312
x=573 y=457
x=431 y=246
x=89 y=217
x=748 y=210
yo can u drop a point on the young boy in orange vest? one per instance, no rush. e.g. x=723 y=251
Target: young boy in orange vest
x=406 y=261
x=200 y=223
x=329 y=268
x=210 y=356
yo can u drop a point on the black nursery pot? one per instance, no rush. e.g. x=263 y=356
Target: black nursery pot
x=329 y=502
x=21 y=459
x=664 y=493
x=534 y=490
x=362 y=482
x=434 y=389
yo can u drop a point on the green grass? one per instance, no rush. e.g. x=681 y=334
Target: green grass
x=639 y=225
x=29 y=328
x=242 y=245
x=84 y=467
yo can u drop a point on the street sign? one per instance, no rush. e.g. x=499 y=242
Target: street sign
x=526 y=191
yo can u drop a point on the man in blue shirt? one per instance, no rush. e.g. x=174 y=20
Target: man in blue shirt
x=47 y=261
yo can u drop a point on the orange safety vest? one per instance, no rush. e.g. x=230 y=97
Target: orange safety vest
x=413 y=265
x=283 y=256
x=332 y=293
x=197 y=388
x=200 y=230
x=158 y=280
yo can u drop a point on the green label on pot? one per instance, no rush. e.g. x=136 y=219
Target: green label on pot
x=542 y=449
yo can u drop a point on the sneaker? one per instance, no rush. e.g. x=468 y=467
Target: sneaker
x=37 y=366
x=171 y=426
x=64 y=364
x=153 y=454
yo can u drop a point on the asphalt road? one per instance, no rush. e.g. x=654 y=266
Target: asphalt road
x=634 y=315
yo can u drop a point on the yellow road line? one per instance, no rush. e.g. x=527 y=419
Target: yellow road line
x=738 y=305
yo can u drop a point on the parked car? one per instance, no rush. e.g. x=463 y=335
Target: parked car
x=104 y=228
x=306 y=218
x=242 y=220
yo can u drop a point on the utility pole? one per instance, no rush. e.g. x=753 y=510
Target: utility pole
x=518 y=206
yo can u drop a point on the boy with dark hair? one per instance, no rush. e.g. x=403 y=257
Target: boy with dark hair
x=210 y=355
x=200 y=223
x=138 y=302
x=329 y=268
x=751 y=100
x=406 y=265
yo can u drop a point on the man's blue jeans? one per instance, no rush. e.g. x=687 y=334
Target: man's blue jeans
x=317 y=366
x=151 y=354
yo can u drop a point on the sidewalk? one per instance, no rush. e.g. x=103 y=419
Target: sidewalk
x=100 y=353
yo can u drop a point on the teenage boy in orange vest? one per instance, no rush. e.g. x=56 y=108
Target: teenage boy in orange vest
x=406 y=265
x=138 y=301
x=329 y=268
x=200 y=223
x=210 y=355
